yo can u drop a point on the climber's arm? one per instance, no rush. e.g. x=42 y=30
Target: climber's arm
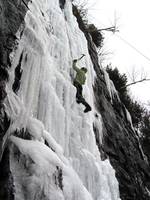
x=74 y=66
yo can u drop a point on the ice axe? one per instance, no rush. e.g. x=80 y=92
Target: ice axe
x=81 y=57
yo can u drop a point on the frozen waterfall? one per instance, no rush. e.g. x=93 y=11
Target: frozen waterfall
x=54 y=153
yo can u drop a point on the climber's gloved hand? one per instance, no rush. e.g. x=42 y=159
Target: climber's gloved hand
x=75 y=61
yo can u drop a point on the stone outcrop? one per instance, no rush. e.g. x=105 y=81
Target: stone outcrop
x=11 y=17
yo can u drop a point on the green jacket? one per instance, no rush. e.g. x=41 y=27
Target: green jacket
x=80 y=76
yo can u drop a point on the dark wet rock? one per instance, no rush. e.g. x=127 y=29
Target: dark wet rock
x=62 y=3
x=4 y=125
x=23 y=134
x=18 y=74
x=58 y=177
x=146 y=147
x=4 y=74
x=4 y=122
x=120 y=142
x=12 y=15
x=3 y=93
x=6 y=179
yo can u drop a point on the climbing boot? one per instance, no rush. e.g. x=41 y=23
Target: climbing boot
x=87 y=109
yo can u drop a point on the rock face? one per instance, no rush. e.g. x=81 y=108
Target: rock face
x=11 y=17
x=120 y=142
x=49 y=148
x=62 y=3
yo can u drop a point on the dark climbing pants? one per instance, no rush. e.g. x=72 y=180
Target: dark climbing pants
x=79 y=97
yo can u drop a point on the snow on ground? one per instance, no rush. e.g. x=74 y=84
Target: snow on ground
x=61 y=160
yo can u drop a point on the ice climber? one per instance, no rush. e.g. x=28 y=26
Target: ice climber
x=78 y=82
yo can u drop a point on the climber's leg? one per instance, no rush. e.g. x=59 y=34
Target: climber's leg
x=79 y=97
x=79 y=92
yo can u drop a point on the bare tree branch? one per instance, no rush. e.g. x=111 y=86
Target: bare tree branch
x=133 y=83
x=112 y=29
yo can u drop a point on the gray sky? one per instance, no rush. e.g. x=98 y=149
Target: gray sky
x=133 y=23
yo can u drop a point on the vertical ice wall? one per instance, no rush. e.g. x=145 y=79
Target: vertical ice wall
x=54 y=153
